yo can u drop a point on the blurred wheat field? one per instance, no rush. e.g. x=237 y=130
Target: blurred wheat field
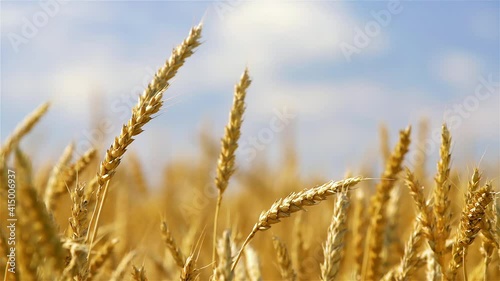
x=92 y=217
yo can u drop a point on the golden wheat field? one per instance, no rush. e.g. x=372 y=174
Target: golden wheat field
x=95 y=217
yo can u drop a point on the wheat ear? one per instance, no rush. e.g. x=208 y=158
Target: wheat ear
x=169 y=241
x=79 y=212
x=334 y=246
x=385 y=149
x=189 y=271
x=229 y=144
x=360 y=226
x=22 y=129
x=379 y=201
x=298 y=249
x=441 y=208
x=68 y=177
x=410 y=261
x=139 y=274
x=294 y=202
x=252 y=264
x=122 y=266
x=284 y=261
x=424 y=213
x=490 y=234
x=148 y=104
x=138 y=174
x=421 y=153
x=470 y=224
x=36 y=220
x=240 y=272
x=222 y=271
x=56 y=172
x=100 y=257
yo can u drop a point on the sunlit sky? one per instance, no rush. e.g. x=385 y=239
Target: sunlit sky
x=411 y=60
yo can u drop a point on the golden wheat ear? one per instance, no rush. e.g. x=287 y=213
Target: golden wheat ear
x=333 y=249
x=22 y=129
x=470 y=224
x=295 y=202
x=139 y=274
x=378 y=222
x=173 y=248
x=40 y=236
x=252 y=264
x=284 y=261
x=441 y=207
x=222 y=272
x=149 y=103
x=229 y=144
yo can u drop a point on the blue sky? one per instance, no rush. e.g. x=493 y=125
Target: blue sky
x=423 y=62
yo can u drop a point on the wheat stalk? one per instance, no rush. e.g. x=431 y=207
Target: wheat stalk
x=294 y=202
x=334 y=246
x=252 y=264
x=441 y=207
x=138 y=174
x=298 y=248
x=79 y=212
x=379 y=201
x=490 y=236
x=284 y=261
x=169 y=241
x=222 y=271
x=472 y=215
x=240 y=272
x=148 y=104
x=67 y=177
x=385 y=149
x=410 y=261
x=421 y=153
x=101 y=256
x=36 y=221
x=122 y=266
x=189 y=271
x=229 y=144
x=56 y=173
x=360 y=226
x=22 y=129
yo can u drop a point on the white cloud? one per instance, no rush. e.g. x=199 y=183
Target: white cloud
x=458 y=69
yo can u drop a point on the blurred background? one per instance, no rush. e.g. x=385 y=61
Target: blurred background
x=325 y=76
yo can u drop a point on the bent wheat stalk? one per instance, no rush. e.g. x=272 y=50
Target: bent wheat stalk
x=294 y=202
x=149 y=103
x=22 y=129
